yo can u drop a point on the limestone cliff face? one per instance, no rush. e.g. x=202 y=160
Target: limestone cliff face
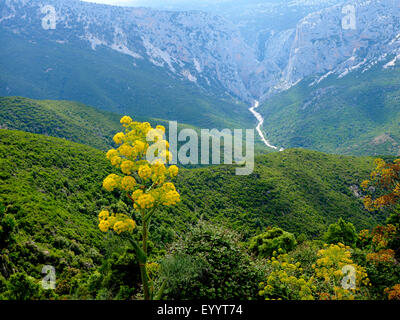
x=219 y=52
x=341 y=39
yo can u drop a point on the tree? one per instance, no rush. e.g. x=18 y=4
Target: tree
x=145 y=183
x=274 y=239
x=341 y=232
x=386 y=179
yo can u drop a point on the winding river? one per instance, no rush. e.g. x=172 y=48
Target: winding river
x=260 y=120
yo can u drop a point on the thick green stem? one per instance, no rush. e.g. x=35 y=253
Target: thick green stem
x=145 y=235
x=141 y=254
x=145 y=281
x=143 y=268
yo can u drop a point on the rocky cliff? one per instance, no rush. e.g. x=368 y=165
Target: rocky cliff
x=239 y=53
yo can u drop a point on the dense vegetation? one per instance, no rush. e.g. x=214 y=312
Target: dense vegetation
x=51 y=194
x=356 y=115
x=299 y=190
x=76 y=122
x=64 y=119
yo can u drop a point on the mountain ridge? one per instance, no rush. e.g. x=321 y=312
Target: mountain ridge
x=211 y=51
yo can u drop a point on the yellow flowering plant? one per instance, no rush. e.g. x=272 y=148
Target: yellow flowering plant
x=333 y=267
x=334 y=276
x=286 y=281
x=146 y=181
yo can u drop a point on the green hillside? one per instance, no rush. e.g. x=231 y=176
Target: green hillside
x=111 y=81
x=299 y=190
x=358 y=114
x=76 y=122
x=65 y=119
x=53 y=189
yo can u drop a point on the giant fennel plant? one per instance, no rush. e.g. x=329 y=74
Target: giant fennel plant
x=146 y=181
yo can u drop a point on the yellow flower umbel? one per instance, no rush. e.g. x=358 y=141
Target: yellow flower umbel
x=147 y=185
x=118 y=138
x=128 y=183
x=144 y=172
x=118 y=222
x=286 y=281
x=111 y=182
x=329 y=267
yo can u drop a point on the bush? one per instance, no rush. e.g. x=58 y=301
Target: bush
x=343 y=232
x=7 y=226
x=210 y=263
x=22 y=287
x=118 y=277
x=274 y=239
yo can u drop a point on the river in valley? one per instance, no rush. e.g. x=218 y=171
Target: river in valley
x=260 y=121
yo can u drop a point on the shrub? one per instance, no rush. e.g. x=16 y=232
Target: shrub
x=274 y=239
x=22 y=287
x=341 y=232
x=210 y=263
x=286 y=281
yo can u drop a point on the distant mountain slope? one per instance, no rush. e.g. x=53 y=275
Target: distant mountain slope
x=358 y=114
x=118 y=57
x=108 y=80
x=70 y=120
x=64 y=119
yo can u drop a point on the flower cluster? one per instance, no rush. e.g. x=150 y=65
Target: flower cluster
x=382 y=235
x=364 y=237
x=286 y=281
x=393 y=293
x=117 y=221
x=382 y=256
x=145 y=182
x=387 y=177
x=328 y=268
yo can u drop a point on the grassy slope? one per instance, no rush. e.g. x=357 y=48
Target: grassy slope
x=66 y=119
x=110 y=81
x=345 y=116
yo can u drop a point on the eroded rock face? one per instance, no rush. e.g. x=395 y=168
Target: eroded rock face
x=236 y=53
x=338 y=40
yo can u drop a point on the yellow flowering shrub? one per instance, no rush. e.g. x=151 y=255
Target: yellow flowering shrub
x=364 y=237
x=145 y=182
x=286 y=281
x=330 y=268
